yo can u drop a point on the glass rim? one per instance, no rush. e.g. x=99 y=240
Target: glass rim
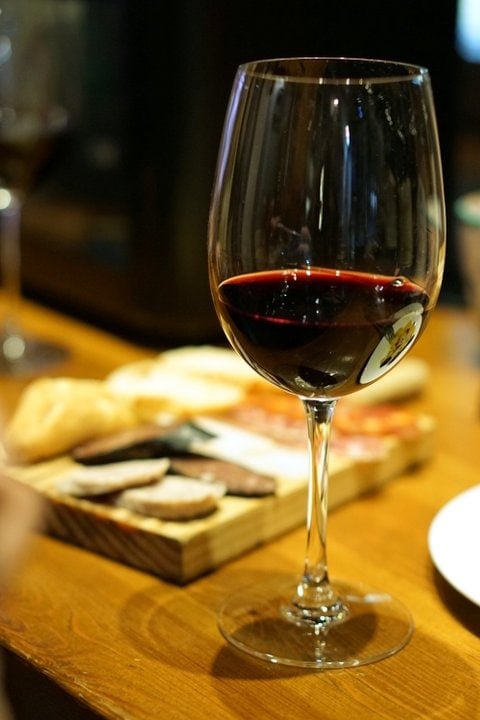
x=398 y=71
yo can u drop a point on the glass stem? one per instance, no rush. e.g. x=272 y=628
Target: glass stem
x=315 y=601
x=10 y=221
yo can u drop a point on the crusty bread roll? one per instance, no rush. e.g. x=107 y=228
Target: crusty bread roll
x=158 y=390
x=212 y=362
x=56 y=414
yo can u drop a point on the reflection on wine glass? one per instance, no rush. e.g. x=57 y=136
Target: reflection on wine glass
x=326 y=252
x=31 y=121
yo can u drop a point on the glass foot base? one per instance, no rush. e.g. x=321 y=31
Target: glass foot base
x=256 y=621
x=22 y=356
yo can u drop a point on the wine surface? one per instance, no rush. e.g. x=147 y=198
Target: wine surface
x=321 y=333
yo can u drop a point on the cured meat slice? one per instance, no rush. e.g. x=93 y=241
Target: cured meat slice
x=173 y=498
x=145 y=441
x=103 y=479
x=238 y=480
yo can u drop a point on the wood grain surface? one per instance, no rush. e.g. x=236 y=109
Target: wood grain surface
x=131 y=646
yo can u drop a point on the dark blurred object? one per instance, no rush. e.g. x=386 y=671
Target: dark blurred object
x=117 y=231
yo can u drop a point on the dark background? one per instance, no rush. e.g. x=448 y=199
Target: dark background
x=116 y=231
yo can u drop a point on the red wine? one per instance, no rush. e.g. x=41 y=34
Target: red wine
x=321 y=333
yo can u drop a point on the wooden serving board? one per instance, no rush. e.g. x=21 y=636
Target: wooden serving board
x=182 y=551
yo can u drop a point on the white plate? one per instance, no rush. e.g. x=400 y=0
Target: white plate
x=454 y=543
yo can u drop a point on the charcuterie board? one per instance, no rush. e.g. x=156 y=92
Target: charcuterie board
x=182 y=551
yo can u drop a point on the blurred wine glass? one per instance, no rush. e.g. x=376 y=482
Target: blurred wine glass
x=32 y=120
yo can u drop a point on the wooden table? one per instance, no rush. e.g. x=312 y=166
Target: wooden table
x=125 y=645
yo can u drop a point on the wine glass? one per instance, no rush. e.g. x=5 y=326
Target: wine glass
x=326 y=252
x=32 y=119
